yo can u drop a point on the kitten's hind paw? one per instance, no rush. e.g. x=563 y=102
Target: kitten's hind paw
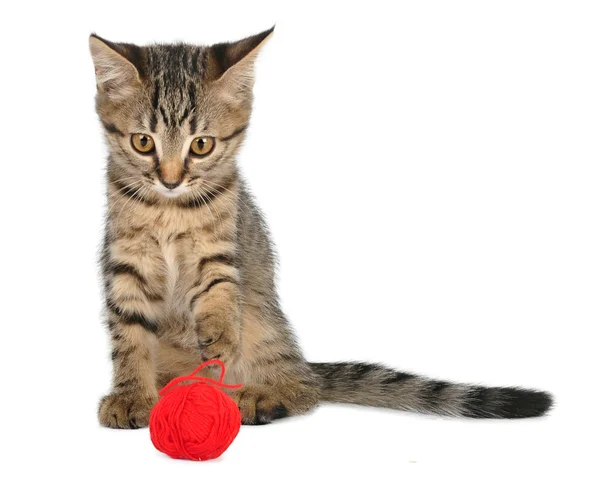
x=262 y=405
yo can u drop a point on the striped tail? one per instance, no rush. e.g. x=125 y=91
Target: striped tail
x=375 y=385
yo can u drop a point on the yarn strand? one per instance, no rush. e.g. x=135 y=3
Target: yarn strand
x=194 y=377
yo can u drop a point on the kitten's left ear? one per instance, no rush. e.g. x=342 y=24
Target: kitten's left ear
x=232 y=63
x=118 y=67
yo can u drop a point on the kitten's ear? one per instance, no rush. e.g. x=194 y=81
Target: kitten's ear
x=233 y=63
x=118 y=67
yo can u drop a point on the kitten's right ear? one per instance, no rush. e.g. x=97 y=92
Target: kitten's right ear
x=118 y=67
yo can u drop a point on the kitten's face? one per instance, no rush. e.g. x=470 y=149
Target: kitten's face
x=174 y=115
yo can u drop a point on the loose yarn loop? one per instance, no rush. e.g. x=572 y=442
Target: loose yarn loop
x=197 y=421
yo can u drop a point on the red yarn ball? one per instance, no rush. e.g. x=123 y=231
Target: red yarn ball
x=196 y=421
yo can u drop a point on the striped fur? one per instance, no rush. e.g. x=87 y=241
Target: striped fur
x=187 y=261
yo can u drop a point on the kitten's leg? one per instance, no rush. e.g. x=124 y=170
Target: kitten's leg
x=132 y=321
x=277 y=381
x=134 y=390
x=215 y=306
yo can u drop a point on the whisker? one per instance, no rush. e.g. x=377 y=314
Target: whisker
x=120 y=189
x=133 y=198
x=215 y=185
x=205 y=202
x=120 y=195
x=233 y=216
x=132 y=177
x=236 y=195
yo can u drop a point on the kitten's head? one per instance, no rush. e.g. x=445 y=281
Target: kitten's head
x=174 y=115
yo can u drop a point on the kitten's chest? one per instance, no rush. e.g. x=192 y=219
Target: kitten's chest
x=168 y=245
x=180 y=254
x=176 y=268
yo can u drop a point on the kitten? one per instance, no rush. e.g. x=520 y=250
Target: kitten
x=187 y=262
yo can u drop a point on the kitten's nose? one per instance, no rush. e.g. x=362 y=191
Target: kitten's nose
x=170 y=185
x=171 y=171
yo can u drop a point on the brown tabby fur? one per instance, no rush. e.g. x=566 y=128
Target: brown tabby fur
x=189 y=273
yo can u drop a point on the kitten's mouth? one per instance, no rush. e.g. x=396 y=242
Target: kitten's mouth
x=170 y=193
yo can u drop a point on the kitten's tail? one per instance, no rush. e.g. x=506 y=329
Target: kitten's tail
x=375 y=385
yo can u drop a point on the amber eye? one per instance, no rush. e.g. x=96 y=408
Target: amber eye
x=202 y=146
x=142 y=143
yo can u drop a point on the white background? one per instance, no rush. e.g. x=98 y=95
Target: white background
x=430 y=173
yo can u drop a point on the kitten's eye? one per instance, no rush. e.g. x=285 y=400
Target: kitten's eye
x=202 y=146
x=142 y=143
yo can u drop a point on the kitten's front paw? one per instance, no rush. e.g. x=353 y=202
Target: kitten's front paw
x=125 y=411
x=217 y=340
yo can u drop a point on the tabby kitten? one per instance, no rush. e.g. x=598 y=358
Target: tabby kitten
x=187 y=262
